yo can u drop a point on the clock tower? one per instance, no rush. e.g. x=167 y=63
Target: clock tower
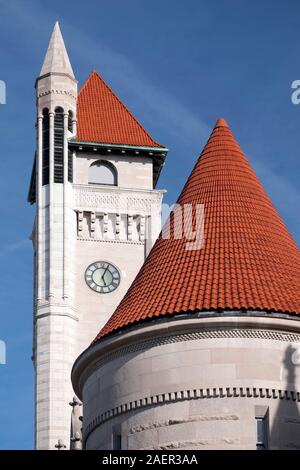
x=97 y=216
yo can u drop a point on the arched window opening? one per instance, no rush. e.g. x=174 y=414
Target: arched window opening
x=59 y=145
x=59 y=110
x=45 y=146
x=70 y=121
x=101 y=172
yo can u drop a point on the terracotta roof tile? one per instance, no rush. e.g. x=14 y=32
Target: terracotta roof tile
x=103 y=118
x=248 y=261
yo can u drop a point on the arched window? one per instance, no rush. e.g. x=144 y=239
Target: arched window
x=101 y=172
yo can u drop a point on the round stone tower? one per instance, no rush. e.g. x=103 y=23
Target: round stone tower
x=203 y=351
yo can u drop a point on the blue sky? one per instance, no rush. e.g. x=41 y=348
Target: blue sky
x=178 y=66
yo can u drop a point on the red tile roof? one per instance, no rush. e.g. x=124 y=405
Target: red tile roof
x=249 y=259
x=102 y=118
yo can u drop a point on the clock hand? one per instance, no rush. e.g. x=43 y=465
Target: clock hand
x=102 y=277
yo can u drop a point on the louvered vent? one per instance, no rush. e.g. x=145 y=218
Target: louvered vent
x=45 y=143
x=59 y=145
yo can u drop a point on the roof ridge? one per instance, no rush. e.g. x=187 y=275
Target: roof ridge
x=85 y=83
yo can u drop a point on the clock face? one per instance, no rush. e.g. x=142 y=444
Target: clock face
x=102 y=277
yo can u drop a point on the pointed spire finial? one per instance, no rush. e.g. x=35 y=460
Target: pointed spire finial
x=57 y=59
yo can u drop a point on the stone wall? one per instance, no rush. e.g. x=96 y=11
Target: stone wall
x=193 y=384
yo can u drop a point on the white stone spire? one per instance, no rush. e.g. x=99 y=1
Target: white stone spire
x=56 y=93
x=56 y=59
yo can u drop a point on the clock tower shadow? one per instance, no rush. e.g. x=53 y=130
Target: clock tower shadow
x=285 y=428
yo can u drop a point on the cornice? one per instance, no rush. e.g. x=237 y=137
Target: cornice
x=157 y=332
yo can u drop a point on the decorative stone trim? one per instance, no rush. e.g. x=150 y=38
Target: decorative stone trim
x=118 y=223
x=93 y=223
x=195 y=394
x=59 y=92
x=55 y=314
x=105 y=225
x=115 y=201
x=80 y=223
x=108 y=240
x=204 y=334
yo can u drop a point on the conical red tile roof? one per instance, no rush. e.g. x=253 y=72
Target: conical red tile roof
x=248 y=261
x=103 y=118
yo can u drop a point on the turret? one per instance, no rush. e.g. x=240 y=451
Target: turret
x=51 y=189
x=202 y=351
x=96 y=203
